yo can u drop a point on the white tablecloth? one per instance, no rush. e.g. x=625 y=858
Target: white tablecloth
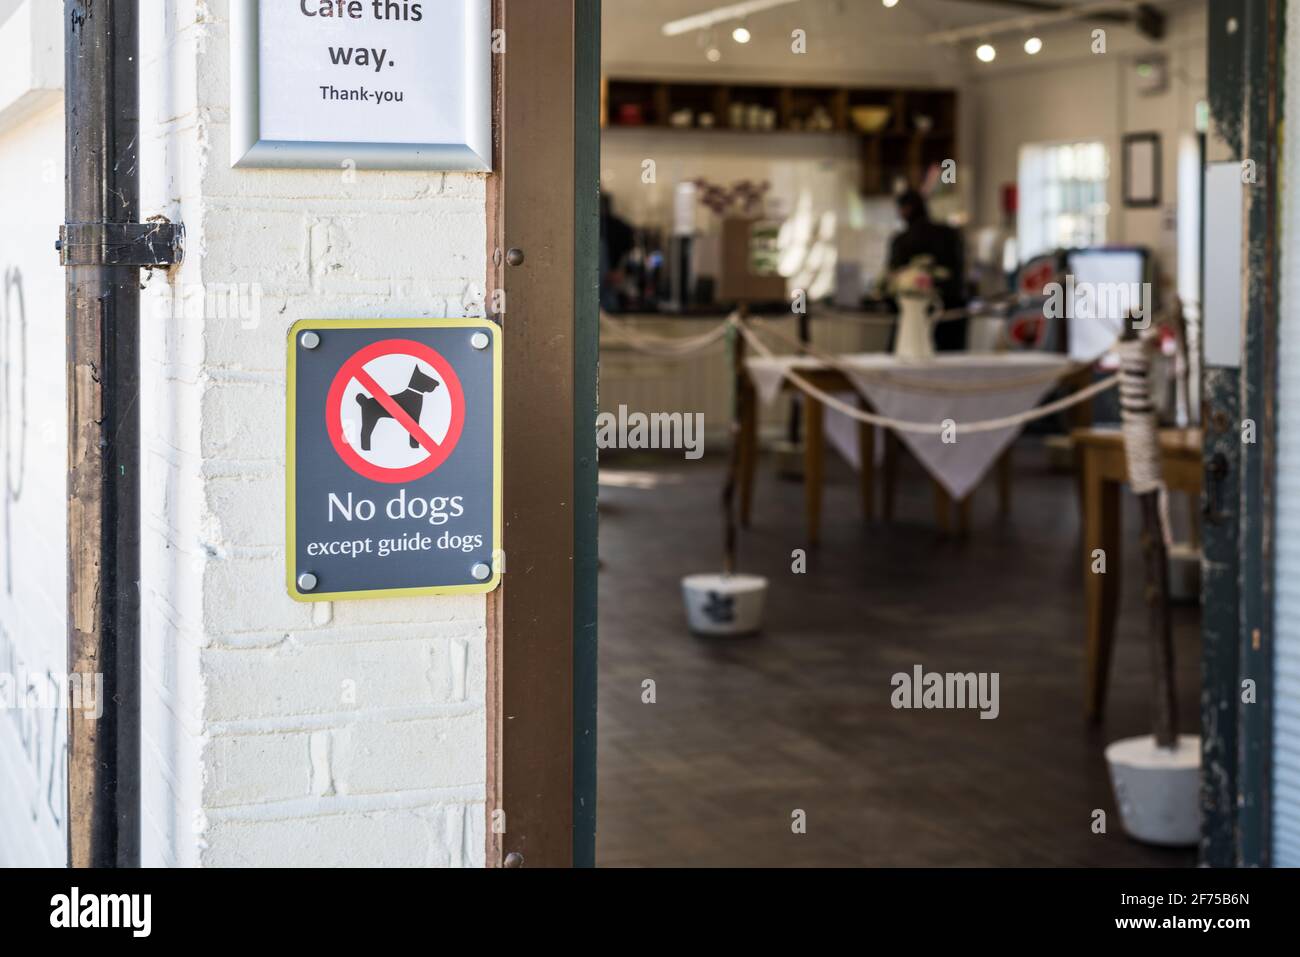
x=959 y=465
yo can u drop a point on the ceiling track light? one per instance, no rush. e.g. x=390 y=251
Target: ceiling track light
x=712 y=48
x=1030 y=23
x=723 y=14
x=1033 y=45
x=986 y=53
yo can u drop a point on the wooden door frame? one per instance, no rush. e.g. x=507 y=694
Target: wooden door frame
x=542 y=208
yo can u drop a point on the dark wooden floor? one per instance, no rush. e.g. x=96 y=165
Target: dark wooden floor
x=746 y=731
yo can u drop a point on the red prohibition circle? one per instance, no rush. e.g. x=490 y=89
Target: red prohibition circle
x=349 y=371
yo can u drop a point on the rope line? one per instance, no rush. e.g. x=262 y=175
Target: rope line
x=668 y=346
x=677 y=347
x=946 y=315
x=911 y=384
x=930 y=428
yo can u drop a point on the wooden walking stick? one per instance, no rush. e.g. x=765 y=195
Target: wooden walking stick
x=1142 y=450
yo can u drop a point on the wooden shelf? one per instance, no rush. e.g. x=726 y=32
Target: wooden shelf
x=919 y=132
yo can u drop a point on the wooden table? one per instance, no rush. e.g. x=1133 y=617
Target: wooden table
x=814 y=453
x=814 y=447
x=1103 y=470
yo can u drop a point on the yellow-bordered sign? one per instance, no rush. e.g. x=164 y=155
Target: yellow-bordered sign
x=393 y=458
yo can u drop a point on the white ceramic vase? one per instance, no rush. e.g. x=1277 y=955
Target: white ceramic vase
x=914 y=339
x=1158 y=789
x=724 y=604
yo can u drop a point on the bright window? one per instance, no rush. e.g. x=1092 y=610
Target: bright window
x=1062 y=197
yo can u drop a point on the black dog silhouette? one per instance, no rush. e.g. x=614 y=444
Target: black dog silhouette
x=411 y=401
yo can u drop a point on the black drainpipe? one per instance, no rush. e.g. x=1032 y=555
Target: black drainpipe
x=103 y=247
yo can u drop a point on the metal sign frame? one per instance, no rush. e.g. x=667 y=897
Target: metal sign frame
x=249 y=150
x=291 y=455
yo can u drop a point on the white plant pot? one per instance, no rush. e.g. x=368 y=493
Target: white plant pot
x=724 y=604
x=1158 y=789
x=915 y=339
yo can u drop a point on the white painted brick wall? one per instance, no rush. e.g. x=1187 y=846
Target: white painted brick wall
x=33 y=429
x=279 y=733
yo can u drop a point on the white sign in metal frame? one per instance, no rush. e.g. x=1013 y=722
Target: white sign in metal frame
x=388 y=84
x=1222 y=308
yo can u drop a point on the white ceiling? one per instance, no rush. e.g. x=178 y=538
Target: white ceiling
x=848 y=40
x=909 y=16
x=845 y=37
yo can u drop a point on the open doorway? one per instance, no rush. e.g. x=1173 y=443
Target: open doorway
x=759 y=162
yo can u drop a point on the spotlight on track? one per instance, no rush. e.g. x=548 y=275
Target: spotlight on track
x=1033 y=45
x=985 y=53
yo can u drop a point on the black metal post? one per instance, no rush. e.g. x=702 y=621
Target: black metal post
x=103 y=330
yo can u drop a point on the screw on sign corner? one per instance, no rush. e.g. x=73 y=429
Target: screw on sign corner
x=514 y=859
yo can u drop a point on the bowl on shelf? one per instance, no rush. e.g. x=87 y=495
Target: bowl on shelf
x=870 y=119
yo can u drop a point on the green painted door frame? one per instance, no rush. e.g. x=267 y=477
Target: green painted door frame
x=586 y=360
x=1245 y=90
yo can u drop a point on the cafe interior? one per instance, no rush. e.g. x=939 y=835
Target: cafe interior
x=888 y=252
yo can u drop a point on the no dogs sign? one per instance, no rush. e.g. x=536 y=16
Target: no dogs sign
x=393 y=458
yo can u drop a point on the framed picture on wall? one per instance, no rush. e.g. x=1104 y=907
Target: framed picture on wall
x=1141 y=163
